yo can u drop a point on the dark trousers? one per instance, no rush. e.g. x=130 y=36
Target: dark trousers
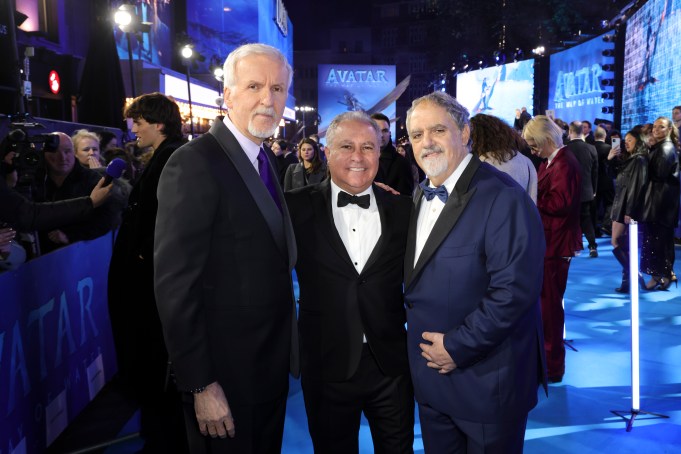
x=259 y=429
x=334 y=410
x=552 y=313
x=586 y=223
x=443 y=434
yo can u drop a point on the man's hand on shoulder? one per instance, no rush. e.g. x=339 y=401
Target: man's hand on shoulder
x=212 y=412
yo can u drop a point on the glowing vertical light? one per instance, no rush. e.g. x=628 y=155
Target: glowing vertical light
x=633 y=281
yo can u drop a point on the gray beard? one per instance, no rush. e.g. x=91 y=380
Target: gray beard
x=262 y=133
x=436 y=167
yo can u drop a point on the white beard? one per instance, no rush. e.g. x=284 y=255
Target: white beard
x=263 y=133
x=435 y=166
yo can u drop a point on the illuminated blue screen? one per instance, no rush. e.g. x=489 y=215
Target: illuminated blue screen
x=498 y=90
x=576 y=81
x=652 y=67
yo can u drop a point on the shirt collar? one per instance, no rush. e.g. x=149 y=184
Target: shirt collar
x=251 y=148
x=553 y=155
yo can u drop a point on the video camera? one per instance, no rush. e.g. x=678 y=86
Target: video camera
x=28 y=148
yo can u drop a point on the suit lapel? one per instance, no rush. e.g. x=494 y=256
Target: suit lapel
x=411 y=236
x=321 y=200
x=268 y=208
x=456 y=204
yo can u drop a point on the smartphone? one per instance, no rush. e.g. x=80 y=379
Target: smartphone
x=615 y=142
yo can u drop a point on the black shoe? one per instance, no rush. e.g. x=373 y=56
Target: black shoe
x=556 y=379
x=593 y=253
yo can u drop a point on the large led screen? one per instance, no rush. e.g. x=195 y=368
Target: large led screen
x=355 y=87
x=498 y=90
x=652 y=63
x=578 y=78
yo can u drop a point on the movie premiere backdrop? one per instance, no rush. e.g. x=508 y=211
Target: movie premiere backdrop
x=652 y=67
x=578 y=79
x=498 y=90
x=343 y=88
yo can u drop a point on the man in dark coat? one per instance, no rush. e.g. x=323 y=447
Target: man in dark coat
x=140 y=350
x=223 y=254
x=588 y=163
x=393 y=168
x=605 y=192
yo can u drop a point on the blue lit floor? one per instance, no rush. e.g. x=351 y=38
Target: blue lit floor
x=576 y=416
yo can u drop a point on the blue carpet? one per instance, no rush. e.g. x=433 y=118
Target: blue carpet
x=576 y=417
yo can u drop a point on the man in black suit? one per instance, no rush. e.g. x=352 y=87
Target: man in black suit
x=588 y=163
x=351 y=241
x=393 y=168
x=140 y=351
x=223 y=255
x=605 y=193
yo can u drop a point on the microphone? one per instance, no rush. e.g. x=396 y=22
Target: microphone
x=114 y=170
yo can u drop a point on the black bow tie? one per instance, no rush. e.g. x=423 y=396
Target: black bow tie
x=361 y=201
x=430 y=193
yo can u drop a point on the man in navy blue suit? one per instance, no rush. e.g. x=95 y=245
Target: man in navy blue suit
x=473 y=275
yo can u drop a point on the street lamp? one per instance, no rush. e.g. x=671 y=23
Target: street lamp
x=304 y=109
x=129 y=22
x=187 y=53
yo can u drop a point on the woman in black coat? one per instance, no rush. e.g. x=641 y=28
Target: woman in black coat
x=661 y=211
x=310 y=170
x=632 y=180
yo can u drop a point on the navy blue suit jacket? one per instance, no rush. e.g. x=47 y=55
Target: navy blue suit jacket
x=478 y=280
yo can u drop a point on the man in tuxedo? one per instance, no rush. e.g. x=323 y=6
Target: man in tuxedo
x=558 y=194
x=587 y=157
x=224 y=251
x=393 y=168
x=473 y=272
x=351 y=239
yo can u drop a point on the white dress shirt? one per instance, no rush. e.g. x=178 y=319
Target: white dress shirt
x=359 y=228
x=251 y=148
x=430 y=209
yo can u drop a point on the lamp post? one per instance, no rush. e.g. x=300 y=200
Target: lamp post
x=127 y=20
x=304 y=109
x=187 y=54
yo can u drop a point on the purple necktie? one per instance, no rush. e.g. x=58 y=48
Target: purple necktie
x=266 y=176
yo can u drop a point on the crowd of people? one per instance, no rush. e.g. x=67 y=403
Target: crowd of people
x=431 y=270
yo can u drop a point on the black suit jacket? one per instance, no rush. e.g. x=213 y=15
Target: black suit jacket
x=140 y=350
x=588 y=162
x=223 y=255
x=395 y=171
x=338 y=305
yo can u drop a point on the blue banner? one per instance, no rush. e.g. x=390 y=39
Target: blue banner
x=56 y=349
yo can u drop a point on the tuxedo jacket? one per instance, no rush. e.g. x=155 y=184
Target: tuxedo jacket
x=223 y=255
x=558 y=201
x=478 y=281
x=337 y=304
